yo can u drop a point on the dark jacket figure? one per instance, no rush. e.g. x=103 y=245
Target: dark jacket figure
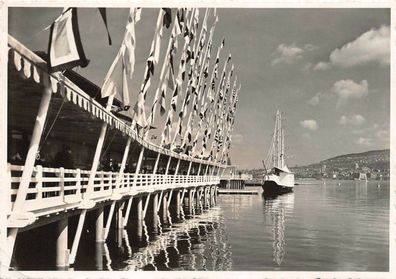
x=64 y=158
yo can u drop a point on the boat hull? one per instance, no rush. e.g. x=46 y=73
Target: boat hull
x=271 y=187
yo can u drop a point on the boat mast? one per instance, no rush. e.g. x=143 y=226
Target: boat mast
x=282 y=135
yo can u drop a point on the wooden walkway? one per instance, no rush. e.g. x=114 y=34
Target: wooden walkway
x=237 y=192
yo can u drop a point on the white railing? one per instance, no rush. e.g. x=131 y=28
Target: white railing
x=57 y=187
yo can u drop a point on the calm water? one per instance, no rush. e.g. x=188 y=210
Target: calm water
x=323 y=227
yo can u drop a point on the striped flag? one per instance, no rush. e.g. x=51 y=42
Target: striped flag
x=65 y=49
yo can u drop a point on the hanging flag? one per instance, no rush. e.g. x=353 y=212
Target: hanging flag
x=115 y=82
x=162 y=101
x=65 y=49
x=152 y=60
x=104 y=17
x=167 y=19
x=165 y=137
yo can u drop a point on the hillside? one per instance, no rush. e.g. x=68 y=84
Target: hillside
x=375 y=163
x=375 y=159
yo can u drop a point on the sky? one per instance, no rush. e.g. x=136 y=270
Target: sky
x=327 y=70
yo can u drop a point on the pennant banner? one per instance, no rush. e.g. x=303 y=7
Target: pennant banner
x=115 y=82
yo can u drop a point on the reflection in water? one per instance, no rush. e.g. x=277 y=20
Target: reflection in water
x=198 y=243
x=107 y=255
x=277 y=207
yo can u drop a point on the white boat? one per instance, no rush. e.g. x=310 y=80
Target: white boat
x=278 y=179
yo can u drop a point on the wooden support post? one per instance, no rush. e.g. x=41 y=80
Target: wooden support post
x=213 y=169
x=155 y=205
x=198 y=197
x=98 y=152
x=176 y=170
x=212 y=193
x=159 y=202
x=190 y=201
x=77 y=237
x=156 y=163
x=127 y=212
x=139 y=229
x=62 y=251
x=206 y=170
x=167 y=165
x=139 y=163
x=222 y=172
x=199 y=169
x=155 y=168
x=123 y=163
x=165 y=206
x=99 y=255
x=169 y=198
x=146 y=205
x=108 y=222
x=120 y=222
x=139 y=209
x=178 y=204
x=34 y=144
x=155 y=213
x=206 y=197
x=99 y=224
x=189 y=168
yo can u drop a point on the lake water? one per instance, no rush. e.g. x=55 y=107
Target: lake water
x=322 y=227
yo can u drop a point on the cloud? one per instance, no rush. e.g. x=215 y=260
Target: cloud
x=288 y=54
x=371 y=46
x=348 y=89
x=364 y=141
x=309 y=124
x=355 y=119
x=321 y=66
x=315 y=99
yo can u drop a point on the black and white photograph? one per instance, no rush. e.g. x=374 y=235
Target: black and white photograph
x=198 y=138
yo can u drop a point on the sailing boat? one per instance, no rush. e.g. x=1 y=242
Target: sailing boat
x=279 y=179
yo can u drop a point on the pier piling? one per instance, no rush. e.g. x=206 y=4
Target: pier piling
x=62 y=252
x=139 y=209
x=99 y=225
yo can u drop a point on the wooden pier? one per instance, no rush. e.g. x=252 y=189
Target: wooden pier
x=237 y=192
x=149 y=176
